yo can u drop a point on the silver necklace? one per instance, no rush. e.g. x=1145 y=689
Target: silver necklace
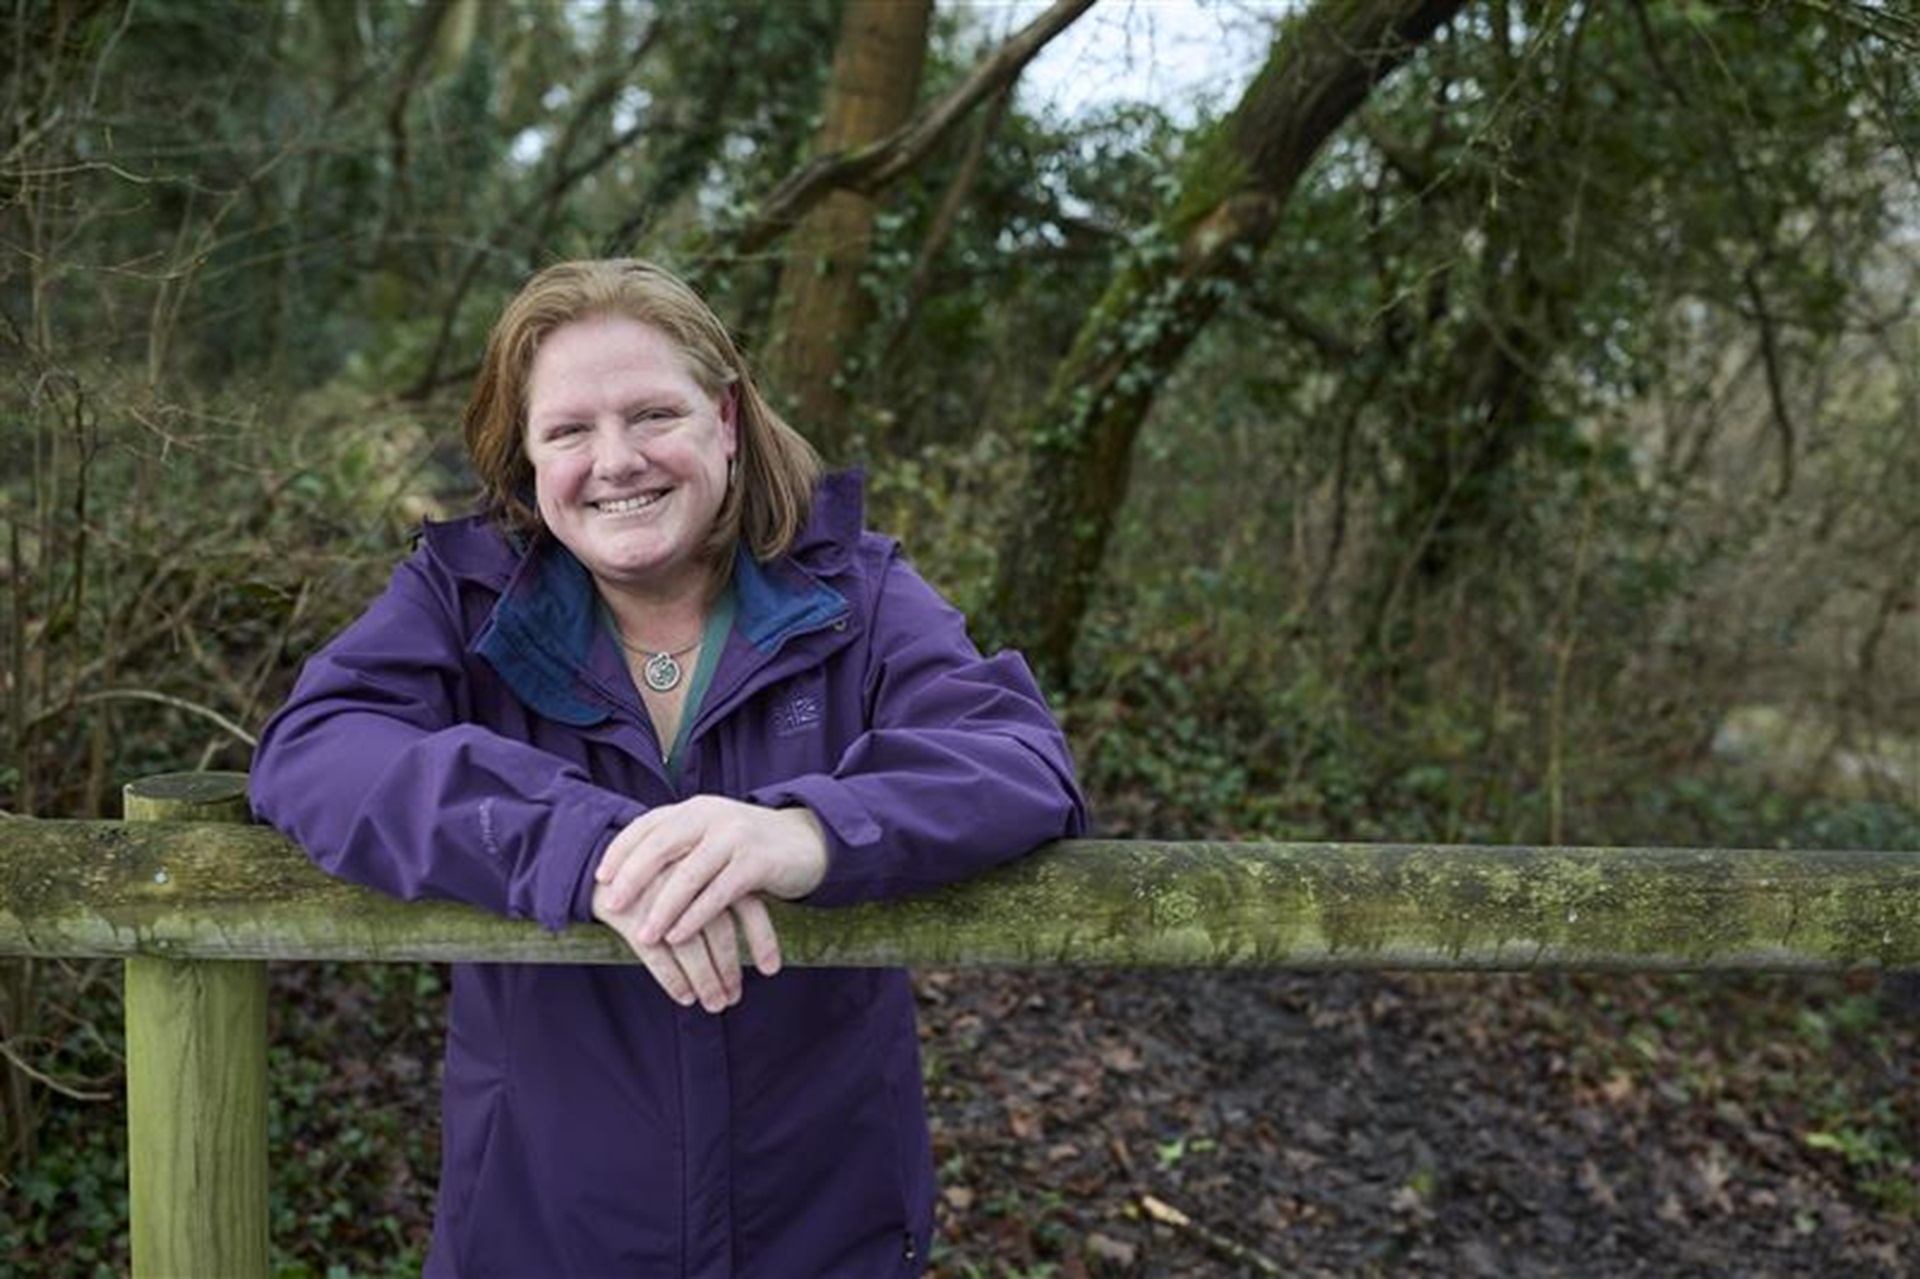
x=660 y=671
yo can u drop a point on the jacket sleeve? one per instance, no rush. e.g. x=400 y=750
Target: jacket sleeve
x=372 y=769
x=962 y=765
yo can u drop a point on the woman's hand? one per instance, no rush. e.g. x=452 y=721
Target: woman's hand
x=681 y=869
x=706 y=967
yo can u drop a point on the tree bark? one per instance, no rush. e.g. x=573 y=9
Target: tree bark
x=1080 y=441
x=822 y=307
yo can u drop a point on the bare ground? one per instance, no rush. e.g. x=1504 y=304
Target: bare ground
x=1349 y=1124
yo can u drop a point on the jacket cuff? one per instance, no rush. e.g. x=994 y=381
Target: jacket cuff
x=604 y=816
x=850 y=829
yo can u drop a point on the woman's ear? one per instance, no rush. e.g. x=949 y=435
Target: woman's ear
x=730 y=417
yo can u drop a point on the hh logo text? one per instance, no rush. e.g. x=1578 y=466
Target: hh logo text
x=795 y=713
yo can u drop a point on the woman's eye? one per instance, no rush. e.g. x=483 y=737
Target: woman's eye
x=565 y=430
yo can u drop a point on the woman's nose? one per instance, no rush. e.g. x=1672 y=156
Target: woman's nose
x=614 y=452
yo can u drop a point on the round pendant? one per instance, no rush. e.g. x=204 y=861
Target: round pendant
x=661 y=672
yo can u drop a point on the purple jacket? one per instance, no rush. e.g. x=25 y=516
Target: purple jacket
x=475 y=735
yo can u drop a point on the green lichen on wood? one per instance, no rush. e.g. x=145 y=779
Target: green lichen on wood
x=197 y=1117
x=212 y=796
x=94 y=888
x=196 y=1075
x=1330 y=906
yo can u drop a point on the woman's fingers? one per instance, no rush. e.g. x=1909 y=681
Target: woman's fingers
x=698 y=971
x=685 y=877
x=756 y=925
x=700 y=879
x=639 y=853
x=666 y=971
x=779 y=851
x=620 y=847
x=677 y=922
x=704 y=967
x=740 y=849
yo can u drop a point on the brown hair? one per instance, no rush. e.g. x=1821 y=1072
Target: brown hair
x=768 y=503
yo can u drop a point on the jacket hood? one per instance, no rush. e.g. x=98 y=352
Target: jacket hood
x=472 y=549
x=835 y=523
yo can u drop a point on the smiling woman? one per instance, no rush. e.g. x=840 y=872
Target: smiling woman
x=664 y=675
x=630 y=459
x=631 y=462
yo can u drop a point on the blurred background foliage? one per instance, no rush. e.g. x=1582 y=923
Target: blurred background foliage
x=1548 y=470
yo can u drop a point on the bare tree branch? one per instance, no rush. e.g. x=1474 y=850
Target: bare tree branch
x=871 y=169
x=149 y=695
x=25 y=1067
x=543 y=202
x=1763 y=316
x=420 y=41
x=1331 y=345
x=1776 y=386
x=945 y=218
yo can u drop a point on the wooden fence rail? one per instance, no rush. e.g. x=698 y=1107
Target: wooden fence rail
x=196 y=901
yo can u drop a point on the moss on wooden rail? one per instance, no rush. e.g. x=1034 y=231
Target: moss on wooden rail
x=216 y=891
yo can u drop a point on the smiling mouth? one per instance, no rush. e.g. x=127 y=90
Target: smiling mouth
x=626 y=505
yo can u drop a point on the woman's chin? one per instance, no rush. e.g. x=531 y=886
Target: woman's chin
x=650 y=574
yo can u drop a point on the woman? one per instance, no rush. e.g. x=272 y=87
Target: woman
x=664 y=676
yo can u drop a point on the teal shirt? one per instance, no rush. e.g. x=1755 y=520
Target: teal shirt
x=712 y=641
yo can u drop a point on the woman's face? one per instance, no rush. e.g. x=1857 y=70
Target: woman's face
x=629 y=455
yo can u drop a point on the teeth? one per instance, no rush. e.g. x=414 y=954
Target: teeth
x=627 y=505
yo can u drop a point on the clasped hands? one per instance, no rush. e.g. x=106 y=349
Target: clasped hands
x=683 y=885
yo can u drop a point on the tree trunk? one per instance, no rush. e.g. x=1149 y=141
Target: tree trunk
x=822 y=307
x=1234 y=187
x=1467 y=428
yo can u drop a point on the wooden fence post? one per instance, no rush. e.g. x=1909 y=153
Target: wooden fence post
x=196 y=1081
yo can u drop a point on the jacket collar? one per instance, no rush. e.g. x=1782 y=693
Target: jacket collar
x=783 y=598
x=544 y=631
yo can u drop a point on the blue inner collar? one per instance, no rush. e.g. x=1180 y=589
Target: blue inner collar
x=544 y=627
